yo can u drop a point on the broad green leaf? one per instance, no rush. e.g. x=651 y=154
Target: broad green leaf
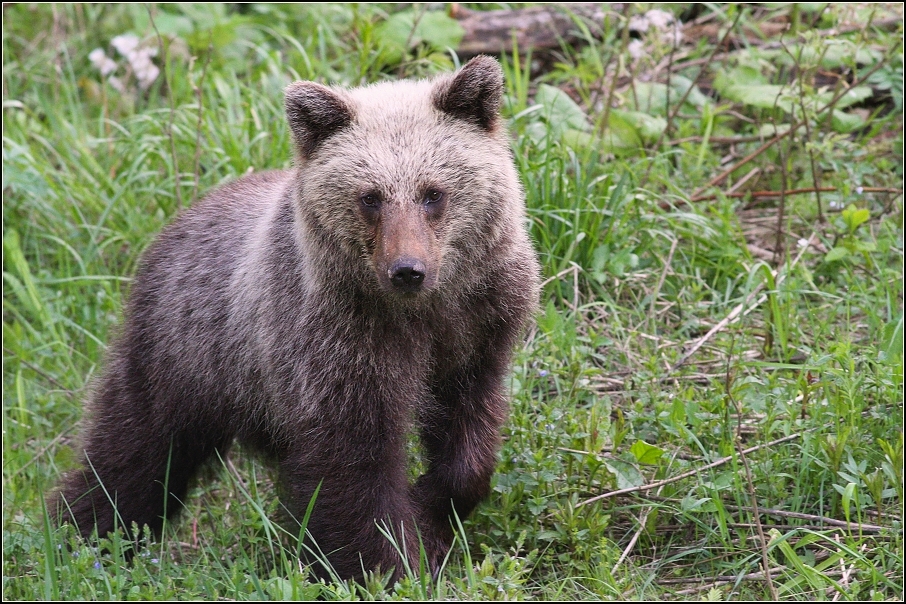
x=652 y=97
x=406 y=29
x=628 y=475
x=648 y=127
x=560 y=111
x=835 y=54
x=850 y=97
x=577 y=139
x=846 y=122
x=204 y=13
x=280 y=588
x=893 y=338
x=854 y=216
x=621 y=135
x=167 y=23
x=681 y=84
x=770 y=130
x=837 y=253
x=440 y=30
x=645 y=453
x=538 y=131
x=702 y=504
x=765 y=96
x=846 y=497
x=741 y=75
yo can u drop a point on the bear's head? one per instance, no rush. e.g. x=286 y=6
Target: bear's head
x=405 y=181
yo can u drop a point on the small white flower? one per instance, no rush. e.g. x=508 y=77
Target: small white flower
x=102 y=62
x=145 y=70
x=859 y=190
x=117 y=83
x=636 y=49
x=125 y=44
x=802 y=243
x=659 y=18
x=147 y=75
x=655 y=18
x=639 y=23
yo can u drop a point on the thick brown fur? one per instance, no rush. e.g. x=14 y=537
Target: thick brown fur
x=315 y=314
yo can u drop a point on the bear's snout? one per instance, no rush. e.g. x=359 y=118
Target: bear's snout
x=407 y=274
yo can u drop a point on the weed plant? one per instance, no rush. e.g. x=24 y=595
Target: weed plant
x=720 y=223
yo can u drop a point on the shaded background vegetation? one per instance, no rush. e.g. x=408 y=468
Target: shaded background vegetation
x=716 y=196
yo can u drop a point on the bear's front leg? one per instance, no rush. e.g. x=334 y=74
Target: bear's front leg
x=461 y=436
x=359 y=491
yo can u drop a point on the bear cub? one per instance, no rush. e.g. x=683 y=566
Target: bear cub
x=316 y=314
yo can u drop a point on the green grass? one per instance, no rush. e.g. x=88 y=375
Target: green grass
x=605 y=394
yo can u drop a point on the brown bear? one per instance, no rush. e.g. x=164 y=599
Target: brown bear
x=318 y=313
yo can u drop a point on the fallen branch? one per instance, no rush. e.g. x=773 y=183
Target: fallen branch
x=536 y=27
x=743 y=307
x=718 y=579
x=660 y=483
x=643 y=518
x=785 y=528
x=763 y=194
x=717 y=140
x=42 y=451
x=727 y=579
x=750 y=483
x=41 y=372
x=762 y=35
x=828 y=523
x=868 y=528
x=547 y=27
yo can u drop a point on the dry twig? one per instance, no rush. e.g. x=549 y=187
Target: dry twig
x=793 y=127
x=868 y=528
x=762 y=540
x=714 y=464
x=768 y=194
x=42 y=451
x=742 y=308
x=40 y=372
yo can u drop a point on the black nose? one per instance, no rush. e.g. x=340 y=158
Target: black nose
x=407 y=275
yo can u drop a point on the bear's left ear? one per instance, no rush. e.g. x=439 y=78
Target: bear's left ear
x=473 y=93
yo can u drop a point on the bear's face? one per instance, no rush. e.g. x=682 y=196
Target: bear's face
x=407 y=177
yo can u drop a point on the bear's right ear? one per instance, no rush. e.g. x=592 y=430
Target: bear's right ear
x=314 y=113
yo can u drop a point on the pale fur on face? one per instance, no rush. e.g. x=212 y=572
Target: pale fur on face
x=399 y=143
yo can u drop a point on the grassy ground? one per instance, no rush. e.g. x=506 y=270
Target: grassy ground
x=713 y=388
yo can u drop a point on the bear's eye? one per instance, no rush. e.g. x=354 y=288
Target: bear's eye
x=370 y=200
x=433 y=196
